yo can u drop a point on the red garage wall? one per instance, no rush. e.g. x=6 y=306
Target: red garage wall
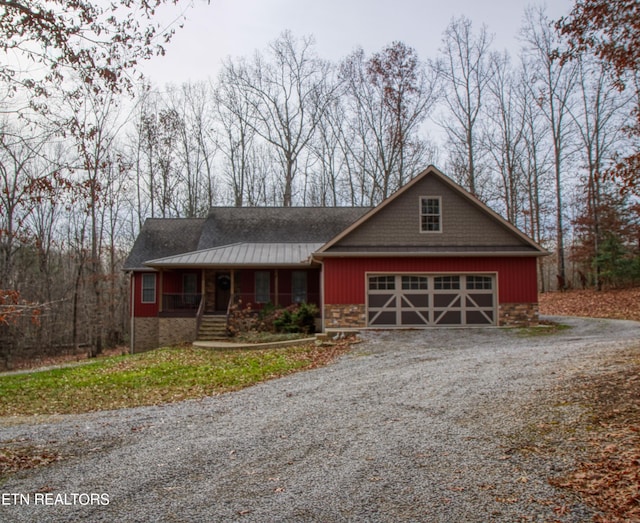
x=345 y=277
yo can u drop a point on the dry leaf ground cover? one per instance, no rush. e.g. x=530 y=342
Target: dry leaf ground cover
x=607 y=435
x=621 y=304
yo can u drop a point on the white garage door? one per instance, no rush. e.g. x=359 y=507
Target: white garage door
x=430 y=300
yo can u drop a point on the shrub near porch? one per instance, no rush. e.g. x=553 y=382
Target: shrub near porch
x=297 y=318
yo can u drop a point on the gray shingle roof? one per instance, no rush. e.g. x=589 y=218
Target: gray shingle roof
x=165 y=237
x=160 y=237
x=227 y=225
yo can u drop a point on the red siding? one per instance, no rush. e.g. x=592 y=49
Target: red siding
x=245 y=285
x=345 y=277
x=143 y=310
x=173 y=281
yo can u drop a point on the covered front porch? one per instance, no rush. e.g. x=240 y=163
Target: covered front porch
x=206 y=284
x=184 y=292
x=222 y=288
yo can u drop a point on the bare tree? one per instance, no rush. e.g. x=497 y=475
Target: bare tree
x=505 y=134
x=465 y=69
x=610 y=30
x=157 y=137
x=93 y=124
x=552 y=84
x=389 y=96
x=236 y=120
x=599 y=120
x=97 y=43
x=195 y=147
x=328 y=152
x=21 y=186
x=288 y=96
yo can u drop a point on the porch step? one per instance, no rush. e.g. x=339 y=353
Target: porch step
x=212 y=328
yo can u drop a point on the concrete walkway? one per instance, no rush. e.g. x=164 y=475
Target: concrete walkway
x=235 y=345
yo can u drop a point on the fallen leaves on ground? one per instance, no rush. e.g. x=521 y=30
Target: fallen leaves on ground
x=13 y=459
x=610 y=480
x=622 y=304
x=607 y=475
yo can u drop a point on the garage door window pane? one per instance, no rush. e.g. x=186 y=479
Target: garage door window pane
x=382 y=283
x=415 y=282
x=446 y=282
x=479 y=282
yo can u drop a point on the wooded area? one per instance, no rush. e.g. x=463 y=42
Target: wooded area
x=546 y=135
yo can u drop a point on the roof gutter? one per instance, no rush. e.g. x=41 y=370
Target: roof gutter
x=418 y=254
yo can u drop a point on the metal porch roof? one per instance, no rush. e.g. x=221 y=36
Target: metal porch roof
x=242 y=254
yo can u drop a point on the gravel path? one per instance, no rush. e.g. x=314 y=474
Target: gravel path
x=409 y=426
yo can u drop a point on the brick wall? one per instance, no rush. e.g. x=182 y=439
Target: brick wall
x=344 y=316
x=173 y=331
x=151 y=333
x=518 y=315
x=146 y=334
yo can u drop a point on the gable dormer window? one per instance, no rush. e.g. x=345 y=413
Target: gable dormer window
x=430 y=214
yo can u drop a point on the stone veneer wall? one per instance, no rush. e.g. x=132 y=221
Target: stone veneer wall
x=354 y=316
x=518 y=314
x=345 y=316
x=176 y=330
x=145 y=336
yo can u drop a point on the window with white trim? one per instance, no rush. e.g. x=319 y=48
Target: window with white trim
x=430 y=214
x=148 y=288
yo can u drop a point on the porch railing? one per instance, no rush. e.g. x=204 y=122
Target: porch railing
x=282 y=299
x=199 y=315
x=181 y=302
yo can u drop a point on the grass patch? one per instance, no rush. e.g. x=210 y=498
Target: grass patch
x=545 y=328
x=155 y=377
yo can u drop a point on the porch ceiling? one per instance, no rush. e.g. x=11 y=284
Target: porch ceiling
x=243 y=254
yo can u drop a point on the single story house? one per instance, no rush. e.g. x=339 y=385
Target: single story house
x=430 y=255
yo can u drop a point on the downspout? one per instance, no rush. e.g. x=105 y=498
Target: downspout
x=132 y=326
x=160 y=289
x=322 y=307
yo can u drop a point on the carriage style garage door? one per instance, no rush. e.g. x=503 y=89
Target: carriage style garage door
x=430 y=300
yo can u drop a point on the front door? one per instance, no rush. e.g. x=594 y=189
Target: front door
x=223 y=291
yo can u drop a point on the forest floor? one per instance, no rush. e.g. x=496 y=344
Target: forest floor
x=620 y=304
x=608 y=472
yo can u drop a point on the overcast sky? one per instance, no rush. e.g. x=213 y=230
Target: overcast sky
x=237 y=28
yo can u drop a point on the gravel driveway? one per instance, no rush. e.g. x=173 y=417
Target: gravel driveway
x=409 y=426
